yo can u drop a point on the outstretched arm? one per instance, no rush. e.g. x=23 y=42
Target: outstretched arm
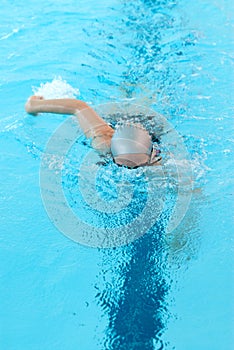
x=37 y=104
x=92 y=125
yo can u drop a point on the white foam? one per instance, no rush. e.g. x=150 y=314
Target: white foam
x=57 y=88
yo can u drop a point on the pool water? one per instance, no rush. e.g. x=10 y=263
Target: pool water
x=159 y=292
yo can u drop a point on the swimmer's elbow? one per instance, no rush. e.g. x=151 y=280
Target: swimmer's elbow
x=101 y=144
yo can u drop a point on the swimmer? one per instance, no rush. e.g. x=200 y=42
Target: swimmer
x=130 y=144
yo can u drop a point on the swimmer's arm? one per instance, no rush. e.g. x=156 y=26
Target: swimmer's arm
x=37 y=104
x=92 y=125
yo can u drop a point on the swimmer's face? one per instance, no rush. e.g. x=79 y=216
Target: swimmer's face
x=132 y=160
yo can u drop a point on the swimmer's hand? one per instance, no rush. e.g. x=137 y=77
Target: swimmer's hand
x=32 y=104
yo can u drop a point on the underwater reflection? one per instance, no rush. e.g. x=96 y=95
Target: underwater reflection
x=137 y=308
x=134 y=283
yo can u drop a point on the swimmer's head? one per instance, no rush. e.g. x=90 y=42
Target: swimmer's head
x=131 y=145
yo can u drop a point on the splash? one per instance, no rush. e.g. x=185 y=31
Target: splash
x=137 y=200
x=57 y=88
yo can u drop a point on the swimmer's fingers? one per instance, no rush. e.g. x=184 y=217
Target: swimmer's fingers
x=30 y=105
x=156 y=161
x=34 y=97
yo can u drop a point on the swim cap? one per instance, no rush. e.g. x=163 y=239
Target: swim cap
x=132 y=144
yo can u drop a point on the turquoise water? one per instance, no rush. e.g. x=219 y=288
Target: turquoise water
x=158 y=292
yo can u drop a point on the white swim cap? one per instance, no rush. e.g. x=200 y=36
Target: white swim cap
x=129 y=140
